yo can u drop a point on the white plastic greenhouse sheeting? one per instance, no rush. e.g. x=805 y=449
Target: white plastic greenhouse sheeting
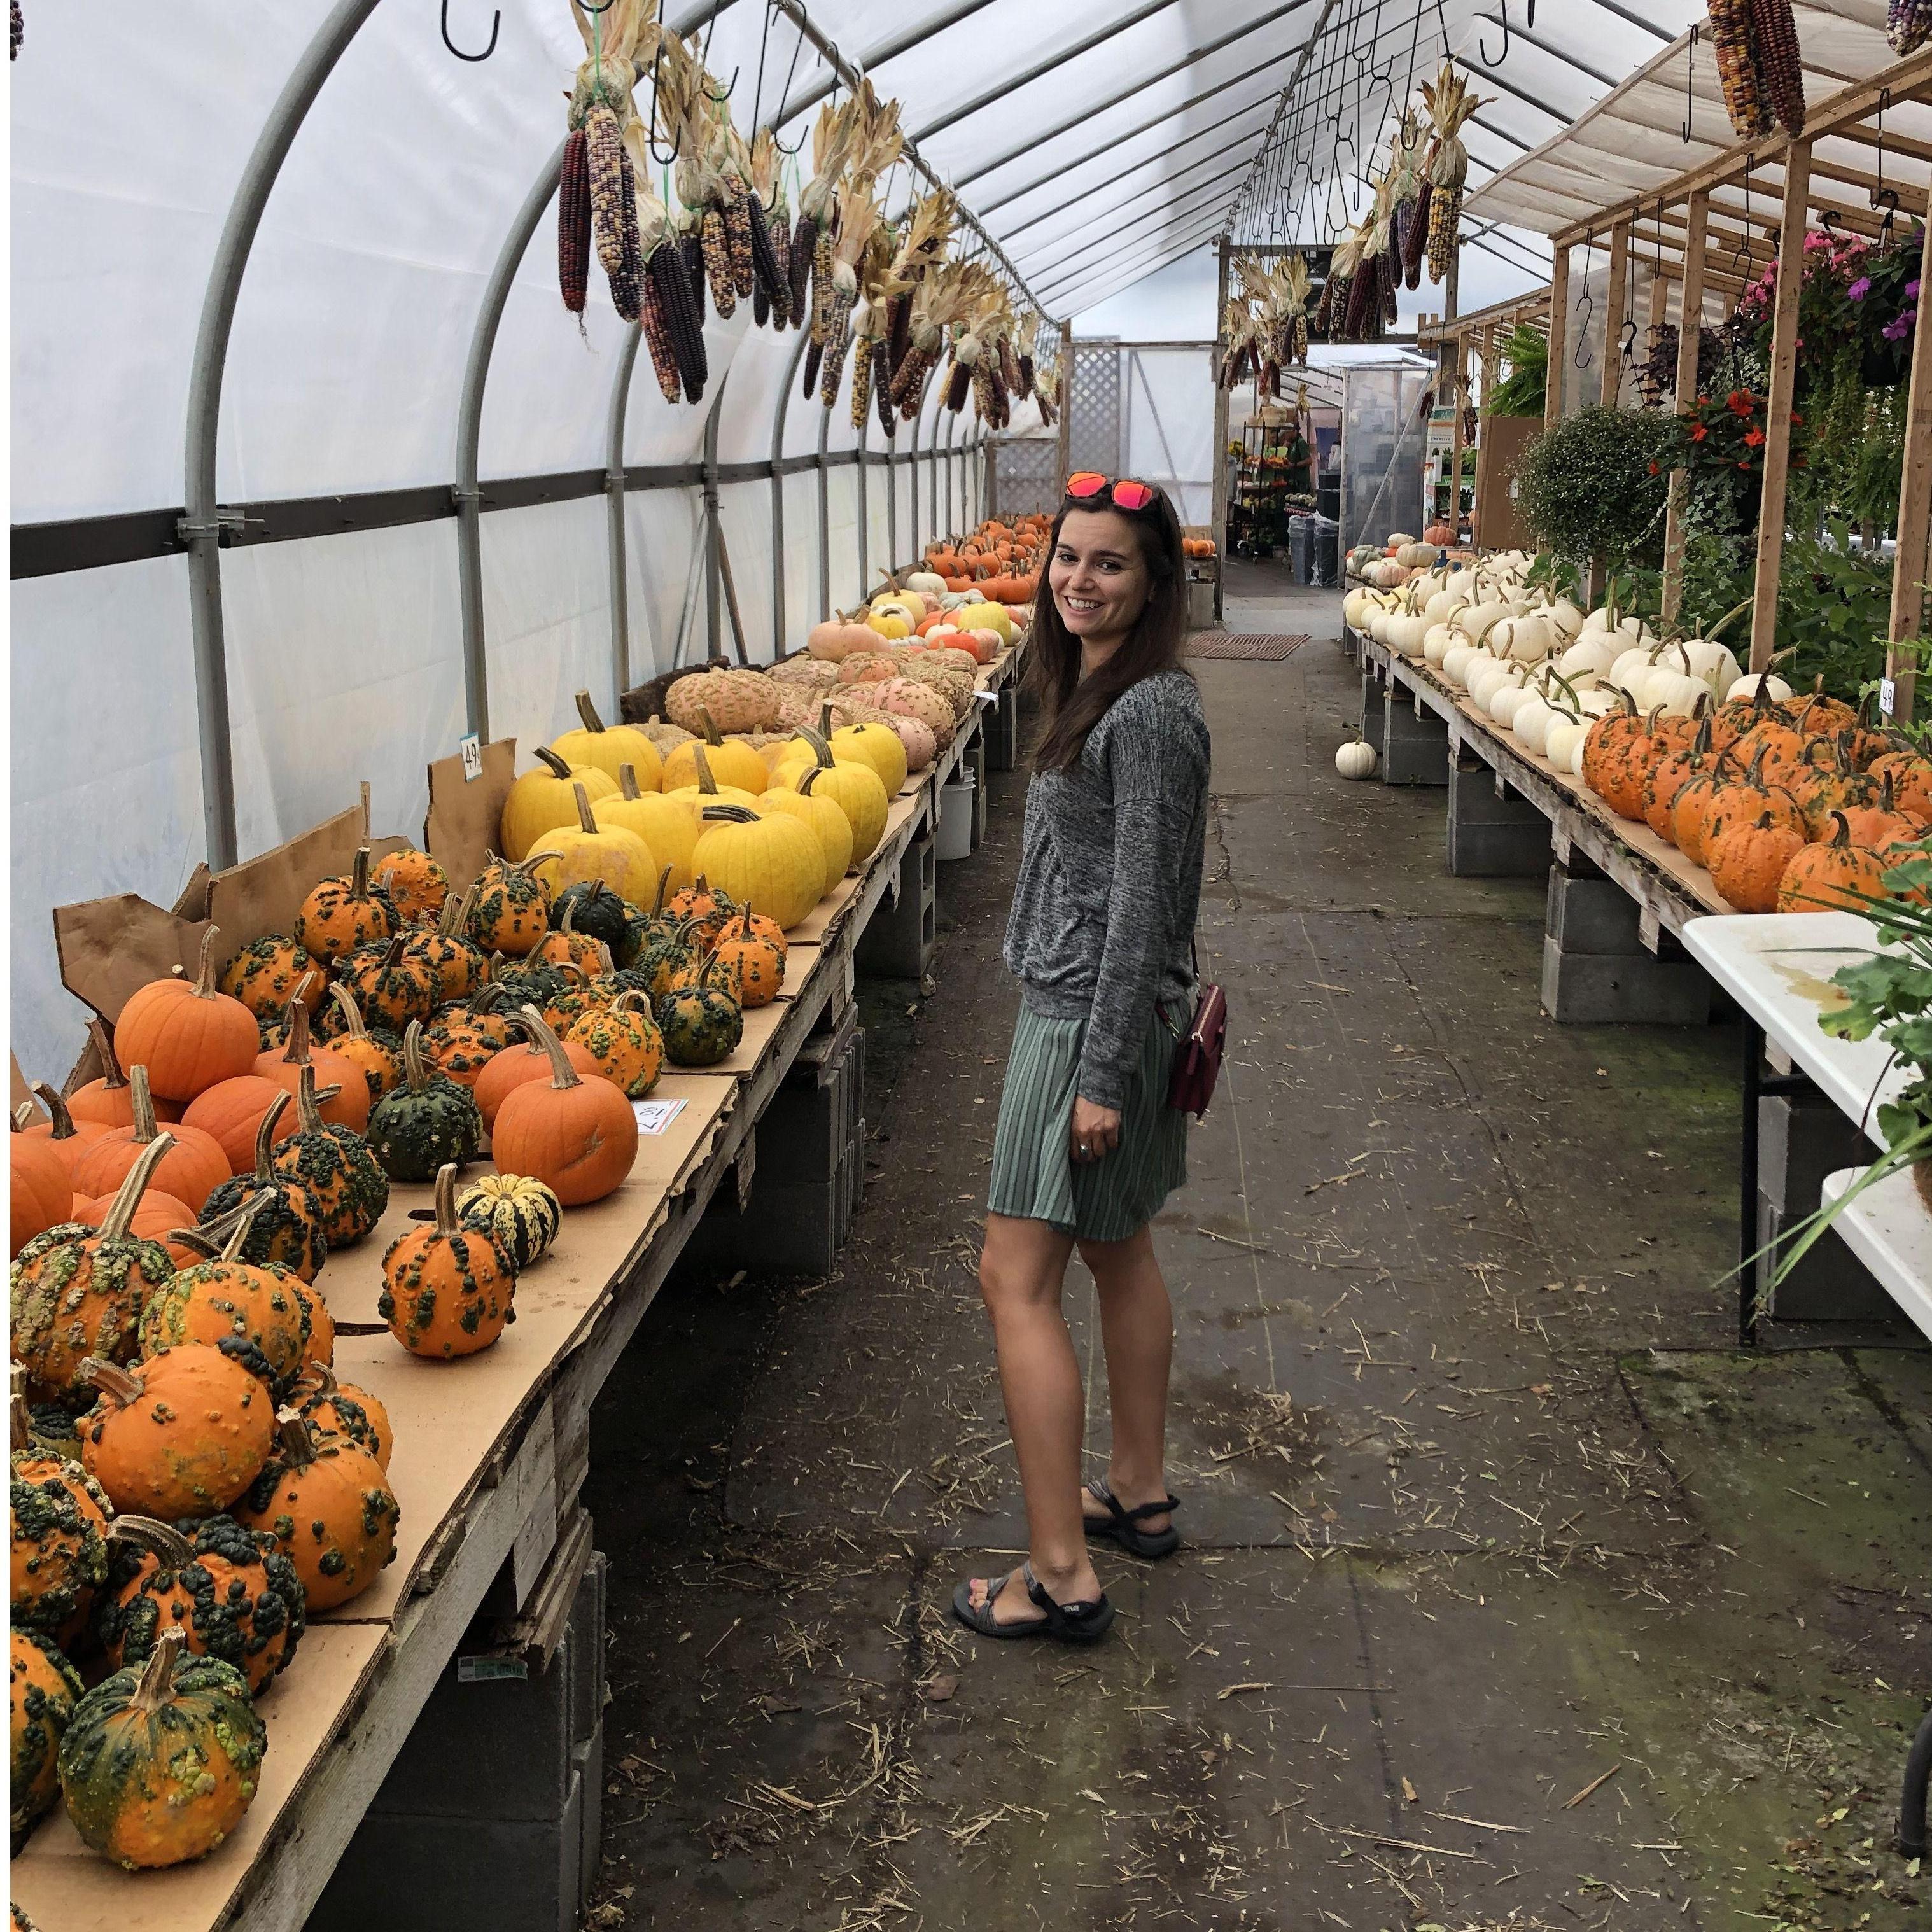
x=1167 y=418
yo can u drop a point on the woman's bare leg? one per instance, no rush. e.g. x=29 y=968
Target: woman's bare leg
x=1021 y=1268
x=1137 y=1329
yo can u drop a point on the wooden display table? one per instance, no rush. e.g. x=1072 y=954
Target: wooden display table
x=490 y=1452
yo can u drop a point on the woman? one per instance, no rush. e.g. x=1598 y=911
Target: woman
x=1087 y=1149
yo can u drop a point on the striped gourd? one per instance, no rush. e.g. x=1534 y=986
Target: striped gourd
x=573 y=221
x=606 y=161
x=1737 y=71
x=657 y=339
x=717 y=250
x=1780 y=70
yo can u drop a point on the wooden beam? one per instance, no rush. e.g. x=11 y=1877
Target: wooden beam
x=1777 y=413
x=1559 y=338
x=1219 y=511
x=1614 y=315
x=1459 y=382
x=1689 y=321
x=1912 y=565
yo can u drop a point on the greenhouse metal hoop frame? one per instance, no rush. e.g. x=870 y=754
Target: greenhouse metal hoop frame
x=207 y=526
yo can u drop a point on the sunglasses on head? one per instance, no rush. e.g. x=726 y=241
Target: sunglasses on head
x=1086 y=486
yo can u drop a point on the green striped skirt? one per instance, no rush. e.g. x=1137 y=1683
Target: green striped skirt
x=1035 y=1176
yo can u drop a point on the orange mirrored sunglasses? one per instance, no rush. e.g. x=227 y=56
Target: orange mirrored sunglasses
x=1084 y=485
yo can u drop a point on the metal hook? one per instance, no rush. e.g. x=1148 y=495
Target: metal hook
x=1888 y=198
x=1482 y=46
x=651 y=123
x=1626 y=338
x=496 y=25
x=1828 y=221
x=589 y=8
x=1588 y=308
x=1690 y=84
x=1884 y=102
x=704 y=62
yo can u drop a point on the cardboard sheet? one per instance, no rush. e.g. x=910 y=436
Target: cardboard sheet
x=63 y=1887
x=460 y=832
x=263 y=895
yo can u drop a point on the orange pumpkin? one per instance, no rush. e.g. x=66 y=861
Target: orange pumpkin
x=516 y=1066
x=231 y=1112
x=181 y=1435
x=754 y=967
x=576 y=1133
x=341 y=914
x=286 y=1229
x=512 y=911
x=623 y=1039
x=269 y=972
x=377 y=1057
x=249 y=1308
x=188 y=1035
x=453 y=964
x=341 y=1409
x=1911 y=775
x=417 y=885
x=41 y=1188
x=109 y=1101
x=447 y=1291
x=325 y=1503
x=157 y=1217
x=1670 y=774
x=68 y=1138
x=193 y=1168
x=392 y=985
x=1835 y=875
x=348 y=1105
x=1747 y=861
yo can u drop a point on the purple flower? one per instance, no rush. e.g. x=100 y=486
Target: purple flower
x=1912 y=289
x=1859 y=289
x=1900 y=327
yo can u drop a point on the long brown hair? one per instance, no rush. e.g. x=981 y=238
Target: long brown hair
x=1074 y=705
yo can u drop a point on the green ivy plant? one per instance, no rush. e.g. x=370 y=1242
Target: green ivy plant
x=1591 y=486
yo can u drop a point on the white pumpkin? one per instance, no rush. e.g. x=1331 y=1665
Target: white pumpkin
x=1356 y=607
x=1527 y=638
x=1590 y=656
x=1562 y=738
x=1508 y=700
x=1356 y=759
x=1705 y=658
x=1457 y=660
x=1566 y=619
x=1405 y=632
x=1438 y=641
x=1746 y=687
x=1442 y=606
x=928 y=585
x=1481 y=619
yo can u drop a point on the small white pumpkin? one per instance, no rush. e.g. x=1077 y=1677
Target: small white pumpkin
x=1356 y=759
x=928 y=585
x=1592 y=656
x=1507 y=701
x=1746 y=687
x=1457 y=660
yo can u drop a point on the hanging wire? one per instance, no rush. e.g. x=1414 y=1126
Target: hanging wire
x=704 y=61
x=1884 y=102
x=1588 y=307
x=1690 y=83
x=651 y=125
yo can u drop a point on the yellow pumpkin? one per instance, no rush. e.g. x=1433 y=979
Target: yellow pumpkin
x=823 y=817
x=854 y=788
x=878 y=746
x=737 y=778
x=985 y=617
x=666 y=821
x=610 y=749
x=586 y=850
x=730 y=761
x=774 y=865
x=542 y=799
x=890 y=624
x=908 y=603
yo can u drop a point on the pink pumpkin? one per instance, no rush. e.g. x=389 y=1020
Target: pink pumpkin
x=874 y=667
x=910 y=699
x=921 y=746
x=836 y=639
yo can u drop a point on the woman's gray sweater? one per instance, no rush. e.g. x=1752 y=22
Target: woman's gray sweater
x=1110 y=878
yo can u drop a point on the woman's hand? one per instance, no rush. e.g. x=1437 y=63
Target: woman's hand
x=1096 y=1130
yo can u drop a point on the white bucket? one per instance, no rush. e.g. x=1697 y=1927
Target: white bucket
x=955 y=817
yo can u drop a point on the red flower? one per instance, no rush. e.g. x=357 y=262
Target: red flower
x=1653 y=467
x=1740 y=400
x=1796 y=417
x=1743 y=466
x=1753 y=438
x=1703 y=402
x=1698 y=434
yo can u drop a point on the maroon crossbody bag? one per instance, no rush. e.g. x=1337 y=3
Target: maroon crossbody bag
x=1197 y=1061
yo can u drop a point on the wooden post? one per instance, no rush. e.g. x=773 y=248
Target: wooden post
x=1777 y=405
x=1690 y=320
x=1912 y=565
x=1220 y=510
x=1616 y=310
x=1459 y=390
x=1489 y=354
x=1066 y=442
x=1559 y=337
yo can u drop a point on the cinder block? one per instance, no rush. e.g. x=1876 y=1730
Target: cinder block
x=898 y=942
x=804 y=1130
x=1615 y=989
x=1802 y=1137
x=587 y=1760
x=976 y=757
x=586 y=1641
x=1002 y=727
x=1415 y=750
x=433 y=1873
x=1492 y=837
x=1372 y=705
x=1591 y=915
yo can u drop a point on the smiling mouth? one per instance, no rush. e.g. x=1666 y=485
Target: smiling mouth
x=1081 y=604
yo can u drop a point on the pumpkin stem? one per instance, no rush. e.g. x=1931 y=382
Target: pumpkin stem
x=587 y=711
x=351 y=1014
x=737 y=814
x=161 y=1540
x=204 y=979
x=199 y=1240
x=414 y=1072
x=706 y=782
x=558 y=768
x=809 y=778
x=104 y=1047
x=568 y=927
x=605 y=964
x=307 y=1114
x=1841 y=834
x=142 y=1101
x=152 y=1692
x=265 y=1135
x=820 y=743
x=585 y=822
x=627 y=782
x=297 y=1447
x=359 y=874
x=562 y=1075
x=115 y=1383
x=446 y=1223
x=50 y=1098
x=297 y=1052
x=711 y=736
x=664 y=885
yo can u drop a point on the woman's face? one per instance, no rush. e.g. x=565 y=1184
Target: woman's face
x=1099 y=576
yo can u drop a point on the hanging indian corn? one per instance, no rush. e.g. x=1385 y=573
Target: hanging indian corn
x=1737 y=70
x=573 y=221
x=1450 y=103
x=1908 y=25
x=1780 y=70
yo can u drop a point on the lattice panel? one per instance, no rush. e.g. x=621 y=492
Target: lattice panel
x=1093 y=409
x=1026 y=476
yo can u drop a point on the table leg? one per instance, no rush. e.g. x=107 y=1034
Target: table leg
x=1911 y=1804
x=1747 y=1242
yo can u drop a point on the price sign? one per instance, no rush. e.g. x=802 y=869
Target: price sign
x=1887 y=691
x=472 y=749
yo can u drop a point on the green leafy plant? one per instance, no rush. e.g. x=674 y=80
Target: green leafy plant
x=1521 y=393
x=1594 y=485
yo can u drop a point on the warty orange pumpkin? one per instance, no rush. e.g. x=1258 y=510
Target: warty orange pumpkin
x=1835 y=874
x=342 y=1408
x=328 y=1506
x=417 y=885
x=1747 y=861
x=269 y=972
x=348 y=1105
x=343 y=913
x=446 y=1290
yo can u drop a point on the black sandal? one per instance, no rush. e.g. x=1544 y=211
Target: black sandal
x=1122 y=1525
x=1071 y=1623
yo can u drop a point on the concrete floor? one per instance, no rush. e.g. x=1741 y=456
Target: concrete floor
x=1513 y=1595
